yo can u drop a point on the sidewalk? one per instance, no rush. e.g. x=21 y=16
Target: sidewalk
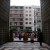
x=24 y=46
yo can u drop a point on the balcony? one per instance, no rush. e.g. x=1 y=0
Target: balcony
x=16 y=25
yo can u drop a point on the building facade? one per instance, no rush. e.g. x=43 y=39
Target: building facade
x=4 y=21
x=29 y=18
x=23 y=17
x=45 y=12
x=37 y=18
x=16 y=18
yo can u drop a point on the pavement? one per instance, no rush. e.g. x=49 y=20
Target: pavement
x=24 y=46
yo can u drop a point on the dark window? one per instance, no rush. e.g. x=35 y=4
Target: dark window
x=21 y=27
x=10 y=23
x=37 y=13
x=26 y=22
x=28 y=28
x=34 y=21
x=26 y=7
x=29 y=7
x=29 y=14
x=13 y=19
x=21 y=19
x=16 y=7
x=21 y=15
x=29 y=22
x=29 y=11
x=16 y=11
x=15 y=23
x=26 y=18
x=38 y=9
x=21 y=7
x=38 y=20
x=21 y=23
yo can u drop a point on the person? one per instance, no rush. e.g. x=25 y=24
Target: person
x=39 y=36
x=20 y=36
x=11 y=35
x=32 y=37
x=25 y=38
x=35 y=35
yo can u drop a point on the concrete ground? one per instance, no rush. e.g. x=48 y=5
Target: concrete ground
x=24 y=46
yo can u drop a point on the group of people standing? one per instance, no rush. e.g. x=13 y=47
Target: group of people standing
x=33 y=35
x=26 y=36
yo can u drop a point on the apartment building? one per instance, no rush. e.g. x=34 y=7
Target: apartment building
x=37 y=18
x=16 y=18
x=28 y=18
x=25 y=18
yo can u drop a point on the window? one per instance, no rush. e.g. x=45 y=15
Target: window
x=21 y=23
x=13 y=19
x=21 y=27
x=15 y=15
x=10 y=23
x=15 y=23
x=38 y=9
x=34 y=21
x=16 y=11
x=29 y=7
x=21 y=11
x=21 y=19
x=34 y=13
x=21 y=15
x=21 y=7
x=29 y=14
x=26 y=7
x=26 y=22
x=30 y=11
x=16 y=7
x=26 y=14
x=39 y=21
x=37 y=13
x=29 y=22
x=28 y=28
x=30 y=18
x=26 y=18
